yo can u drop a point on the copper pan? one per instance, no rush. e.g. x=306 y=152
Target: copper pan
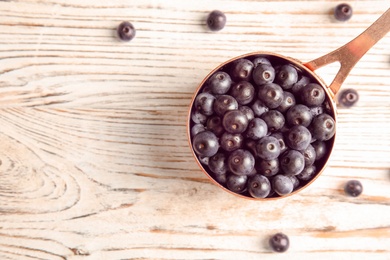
x=347 y=56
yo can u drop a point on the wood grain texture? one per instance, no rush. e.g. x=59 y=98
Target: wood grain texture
x=95 y=162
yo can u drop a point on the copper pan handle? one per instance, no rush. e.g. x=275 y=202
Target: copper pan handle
x=349 y=54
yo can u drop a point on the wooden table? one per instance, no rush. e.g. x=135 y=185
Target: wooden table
x=95 y=162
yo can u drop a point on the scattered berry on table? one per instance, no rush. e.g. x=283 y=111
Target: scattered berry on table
x=216 y=20
x=279 y=242
x=353 y=188
x=343 y=12
x=126 y=31
x=348 y=97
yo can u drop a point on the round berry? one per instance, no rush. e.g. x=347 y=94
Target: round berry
x=217 y=164
x=257 y=128
x=320 y=149
x=286 y=76
x=297 y=87
x=307 y=173
x=348 y=97
x=282 y=144
x=292 y=162
x=282 y=184
x=271 y=95
x=312 y=95
x=259 y=186
x=260 y=60
x=197 y=117
x=205 y=144
x=230 y=142
x=299 y=115
x=216 y=20
x=259 y=108
x=126 y=31
x=241 y=70
x=267 y=168
x=219 y=83
x=235 y=121
x=243 y=92
x=204 y=103
x=279 y=242
x=236 y=183
x=288 y=101
x=323 y=127
x=353 y=188
x=295 y=181
x=274 y=120
x=241 y=162
x=214 y=124
x=268 y=148
x=298 y=138
x=224 y=103
x=309 y=154
x=263 y=73
x=197 y=128
x=343 y=12
x=248 y=112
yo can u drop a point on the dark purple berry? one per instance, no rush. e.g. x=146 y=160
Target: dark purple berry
x=307 y=173
x=220 y=178
x=320 y=149
x=286 y=76
x=235 y=122
x=353 y=188
x=323 y=127
x=259 y=186
x=343 y=12
x=312 y=95
x=298 y=138
x=267 y=168
x=259 y=108
x=309 y=154
x=248 y=112
x=257 y=128
x=237 y=183
x=260 y=60
x=288 y=101
x=317 y=110
x=230 y=142
x=263 y=73
x=205 y=144
x=241 y=162
x=224 y=103
x=297 y=87
x=241 y=70
x=216 y=20
x=274 y=120
x=282 y=184
x=204 y=103
x=251 y=146
x=295 y=181
x=279 y=136
x=204 y=160
x=271 y=95
x=219 y=83
x=198 y=118
x=299 y=115
x=217 y=164
x=268 y=148
x=243 y=92
x=197 y=128
x=214 y=124
x=126 y=31
x=348 y=97
x=292 y=162
x=279 y=242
